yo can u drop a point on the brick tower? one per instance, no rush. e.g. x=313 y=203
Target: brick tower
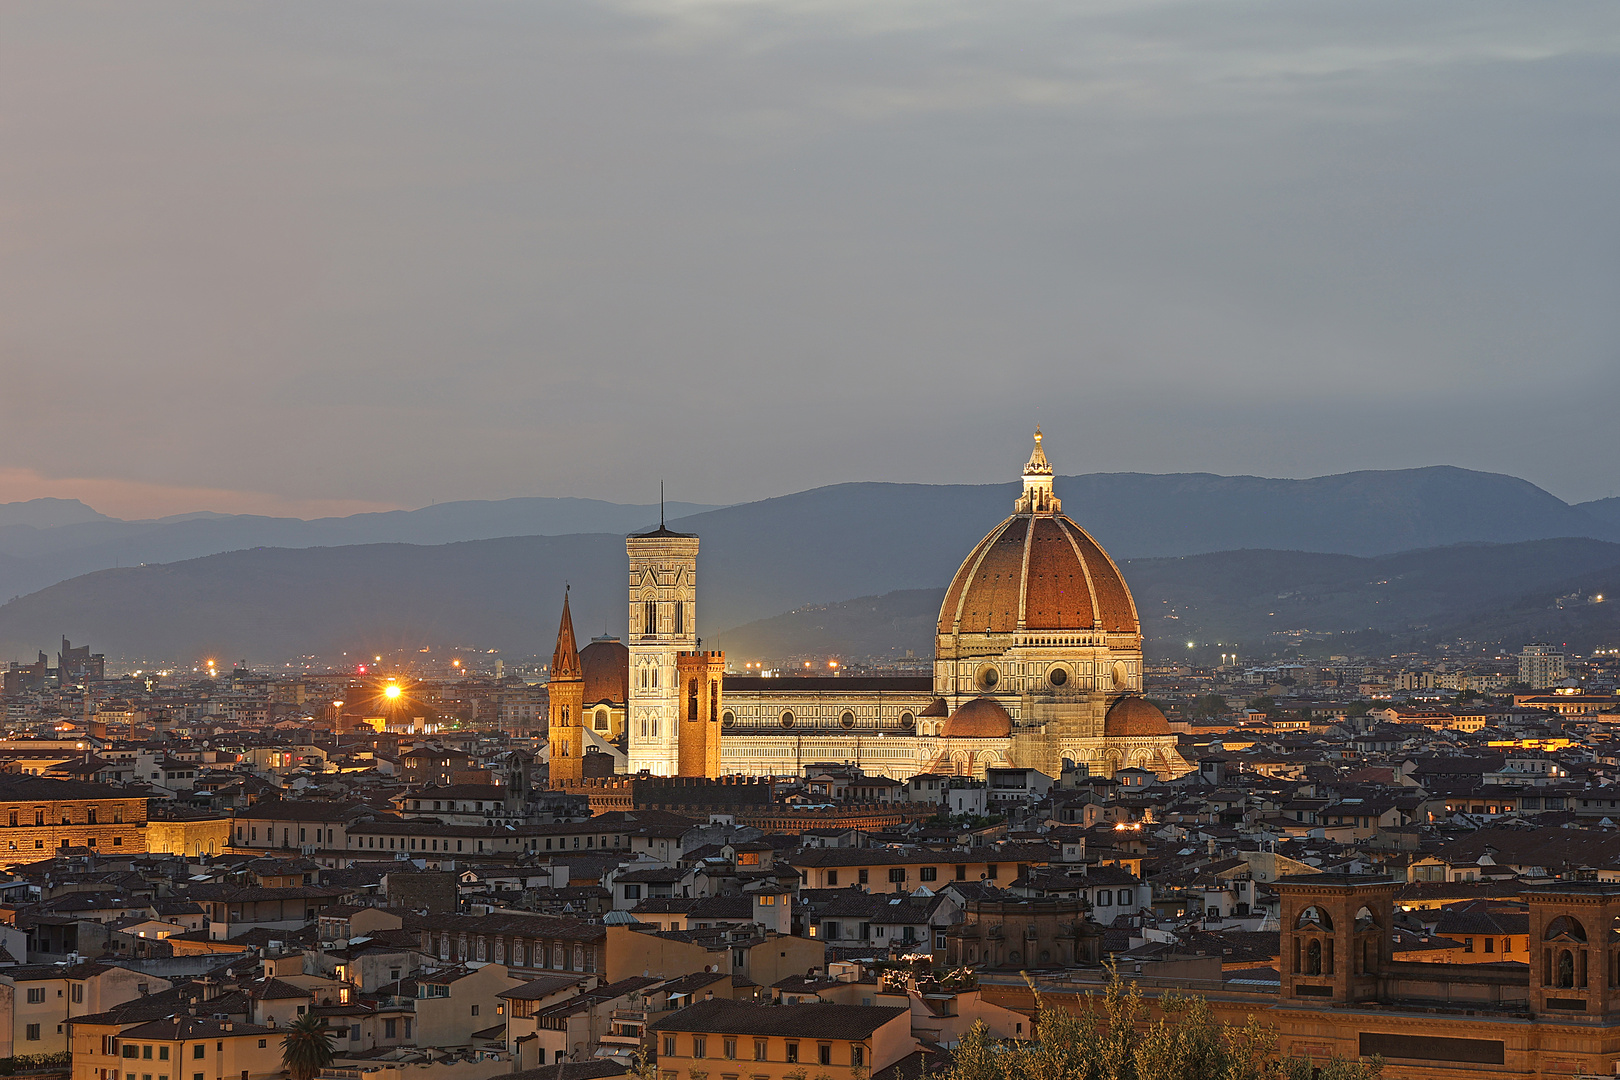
x=700 y=675
x=1335 y=936
x=566 y=693
x=1574 y=949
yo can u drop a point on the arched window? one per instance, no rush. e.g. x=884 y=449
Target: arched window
x=692 y=701
x=601 y=720
x=714 y=701
x=1313 y=917
x=1564 y=928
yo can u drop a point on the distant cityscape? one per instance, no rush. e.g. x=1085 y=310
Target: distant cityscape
x=640 y=850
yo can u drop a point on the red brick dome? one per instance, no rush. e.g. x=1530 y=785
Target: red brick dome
x=981 y=718
x=1134 y=716
x=1041 y=572
x=606 y=664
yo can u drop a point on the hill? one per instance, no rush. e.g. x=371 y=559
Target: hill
x=50 y=540
x=854 y=539
x=274 y=604
x=871 y=539
x=1261 y=603
x=1604 y=510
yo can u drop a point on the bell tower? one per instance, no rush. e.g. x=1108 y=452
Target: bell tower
x=662 y=625
x=1336 y=938
x=565 y=695
x=1574 y=949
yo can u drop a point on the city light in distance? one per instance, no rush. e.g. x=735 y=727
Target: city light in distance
x=392 y=691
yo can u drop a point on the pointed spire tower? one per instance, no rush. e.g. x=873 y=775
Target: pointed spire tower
x=1037 y=497
x=566 y=701
x=565 y=657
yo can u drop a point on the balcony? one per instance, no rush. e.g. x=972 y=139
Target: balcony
x=627 y=1028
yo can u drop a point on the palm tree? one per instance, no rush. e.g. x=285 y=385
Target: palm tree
x=307 y=1049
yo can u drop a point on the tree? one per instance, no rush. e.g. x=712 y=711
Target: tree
x=307 y=1047
x=1112 y=1042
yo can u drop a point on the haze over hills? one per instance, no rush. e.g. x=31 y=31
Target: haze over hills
x=758 y=559
x=272 y=604
x=1491 y=594
x=44 y=541
x=1604 y=510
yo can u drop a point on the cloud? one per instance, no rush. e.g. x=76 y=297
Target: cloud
x=403 y=252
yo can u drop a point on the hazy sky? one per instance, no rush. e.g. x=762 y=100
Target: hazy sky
x=306 y=257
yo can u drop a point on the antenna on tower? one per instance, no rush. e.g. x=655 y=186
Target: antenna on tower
x=660 y=504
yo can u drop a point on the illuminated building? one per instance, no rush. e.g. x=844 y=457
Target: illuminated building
x=1038 y=664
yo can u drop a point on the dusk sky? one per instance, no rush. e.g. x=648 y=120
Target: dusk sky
x=310 y=258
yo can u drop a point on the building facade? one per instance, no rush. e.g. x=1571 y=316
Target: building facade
x=662 y=624
x=1541 y=665
x=39 y=816
x=1038 y=664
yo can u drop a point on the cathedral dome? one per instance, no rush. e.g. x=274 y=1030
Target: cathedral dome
x=936 y=709
x=606 y=664
x=1134 y=716
x=1038 y=571
x=981 y=718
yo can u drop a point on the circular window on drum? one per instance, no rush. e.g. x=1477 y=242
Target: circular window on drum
x=787 y=719
x=1122 y=675
x=907 y=720
x=847 y=721
x=987 y=677
x=1059 y=676
x=728 y=718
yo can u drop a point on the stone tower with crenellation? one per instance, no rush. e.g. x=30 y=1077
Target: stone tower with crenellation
x=701 y=675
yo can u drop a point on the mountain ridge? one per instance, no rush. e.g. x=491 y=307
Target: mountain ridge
x=272 y=604
x=757 y=559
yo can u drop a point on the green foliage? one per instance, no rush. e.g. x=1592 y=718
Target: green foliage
x=1208 y=706
x=1116 y=1042
x=307 y=1047
x=1262 y=703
